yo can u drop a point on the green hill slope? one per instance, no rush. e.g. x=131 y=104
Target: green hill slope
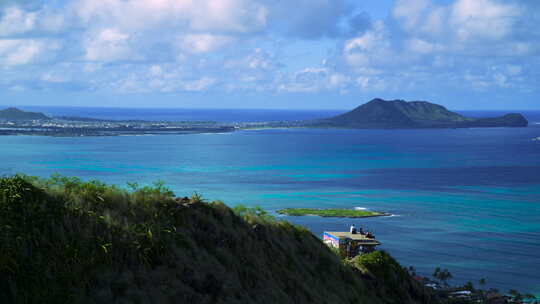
x=65 y=241
x=16 y=114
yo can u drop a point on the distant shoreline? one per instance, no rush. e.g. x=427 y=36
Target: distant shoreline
x=372 y=115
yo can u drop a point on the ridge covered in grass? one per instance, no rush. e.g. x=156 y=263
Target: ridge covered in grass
x=68 y=241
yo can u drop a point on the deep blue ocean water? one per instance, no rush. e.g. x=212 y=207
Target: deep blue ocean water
x=463 y=199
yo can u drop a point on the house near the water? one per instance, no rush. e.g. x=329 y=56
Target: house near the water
x=350 y=244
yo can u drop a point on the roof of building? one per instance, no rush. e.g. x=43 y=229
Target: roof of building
x=353 y=236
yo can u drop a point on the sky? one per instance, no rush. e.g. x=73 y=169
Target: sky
x=274 y=54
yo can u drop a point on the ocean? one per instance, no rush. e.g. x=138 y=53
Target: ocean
x=463 y=199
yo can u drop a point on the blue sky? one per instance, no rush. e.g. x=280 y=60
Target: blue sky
x=301 y=54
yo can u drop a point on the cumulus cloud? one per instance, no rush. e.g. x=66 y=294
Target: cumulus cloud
x=107 y=45
x=243 y=45
x=308 y=18
x=316 y=79
x=203 y=43
x=473 y=27
x=15 y=21
x=24 y=51
x=464 y=41
x=372 y=48
x=483 y=19
x=224 y=16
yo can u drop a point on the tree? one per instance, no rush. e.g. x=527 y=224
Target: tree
x=412 y=270
x=516 y=296
x=436 y=272
x=442 y=275
x=482 y=282
x=469 y=286
x=530 y=298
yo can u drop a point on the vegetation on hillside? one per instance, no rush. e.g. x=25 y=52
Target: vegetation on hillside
x=68 y=241
x=386 y=277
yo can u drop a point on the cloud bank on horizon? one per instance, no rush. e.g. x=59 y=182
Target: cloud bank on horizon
x=316 y=52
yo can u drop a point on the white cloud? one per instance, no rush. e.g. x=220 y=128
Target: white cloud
x=435 y=22
x=338 y=80
x=15 y=21
x=371 y=84
x=23 y=51
x=203 y=43
x=427 y=40
x=462 y=24
x=164 y=27
x=514 y=70
x=370 y=49
x=420 y=46
x=316 y=79
x=308 y=18
x=107 y=45
x=223 y=16
x=156 y=70
x=199 y=84
x=410 y=12
x=149 y=30
x=269 y=46
x=54 y=77
x=241 y=16
x=257 y=60
x=483 y=19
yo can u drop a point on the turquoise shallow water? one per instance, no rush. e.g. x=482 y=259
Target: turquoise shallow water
x=467 y=200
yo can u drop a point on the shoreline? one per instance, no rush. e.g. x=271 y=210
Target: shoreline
x=84 y=131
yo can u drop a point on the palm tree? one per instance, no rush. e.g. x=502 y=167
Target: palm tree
x=442 y=275
x=517 y=297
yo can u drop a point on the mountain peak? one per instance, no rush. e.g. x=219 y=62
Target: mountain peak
x=380 y=113
x=13 y=113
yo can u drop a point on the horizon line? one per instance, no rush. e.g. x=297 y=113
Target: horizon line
x=232 y=108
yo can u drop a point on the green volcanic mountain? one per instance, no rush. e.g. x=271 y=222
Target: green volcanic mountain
x=16 y=114
x=379 y=113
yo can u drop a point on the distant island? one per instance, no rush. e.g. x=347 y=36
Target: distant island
x=376 y=114
x=333 y=212
x=16 y=114
x=399 y=114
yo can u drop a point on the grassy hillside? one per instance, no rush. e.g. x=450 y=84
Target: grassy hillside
x=67 y=241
